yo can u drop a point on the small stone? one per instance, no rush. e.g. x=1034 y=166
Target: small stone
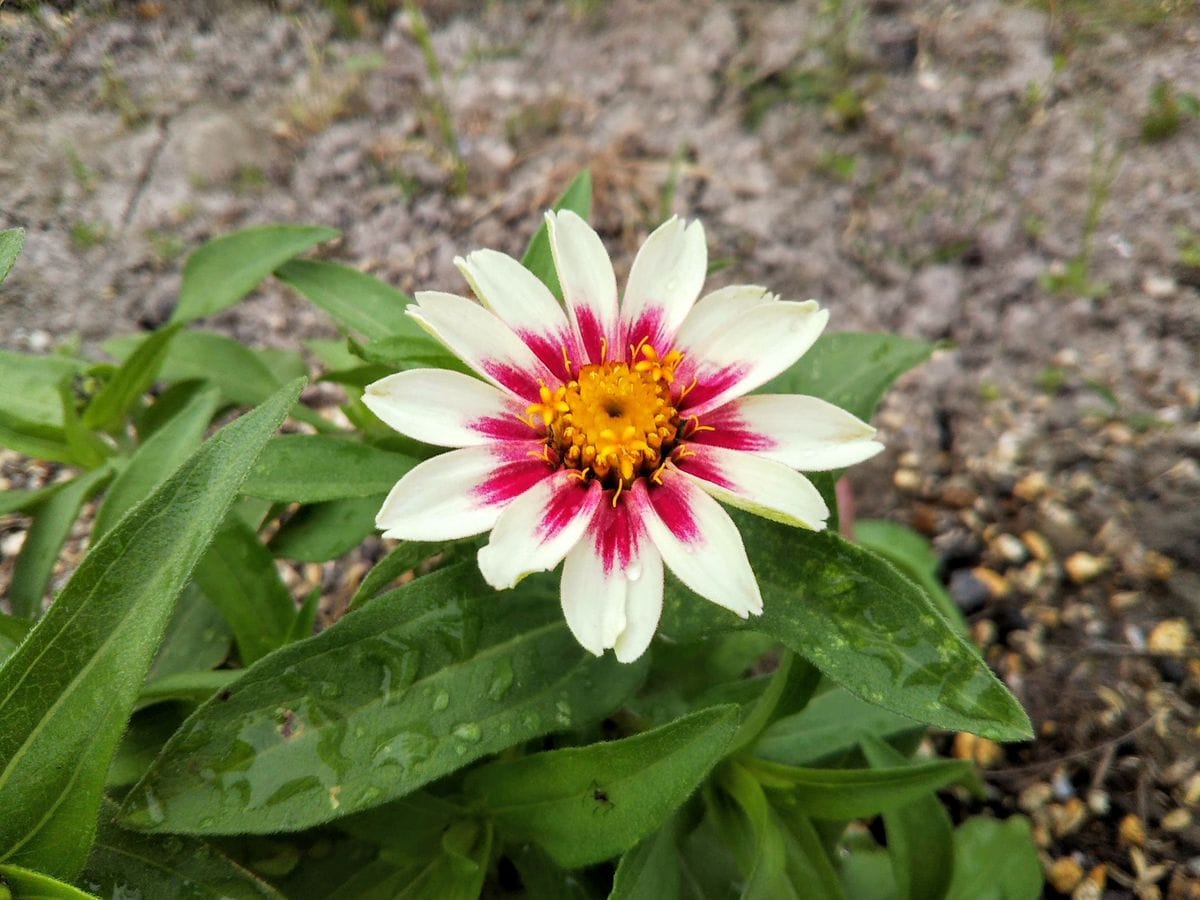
x=1035 y=797
x=1158 y=566
x=12 y=544
x=910 y=460
x=1158 y=286
x=1132 y=831
x=985 y=753
x=906 y=480
x=970 y=593
x=1092 y=887
x=1177 y=820
x=983 y=633
x=996 y=583
x=957 y=496
x=1169 y=636
x=1083 y=567
x=1066 y=818
x=1191 y=791
x=1122 y=601
x=1030 y=487
x=1038 y=545
x=1010 y=549
x=1098 y=802
x=1064 y=874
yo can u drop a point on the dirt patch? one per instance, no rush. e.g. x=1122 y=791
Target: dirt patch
x=976 y=172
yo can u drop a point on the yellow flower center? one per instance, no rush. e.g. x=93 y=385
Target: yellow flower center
x=615 y=421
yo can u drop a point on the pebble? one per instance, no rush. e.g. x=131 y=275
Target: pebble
x=997 y=584
x=1177 y=820
x=970 y=593
x=1009 y=548
x=1038 y=545
x=1035 y=796
x=1098 y=802
x=1083 y=567
x=985 y=753
x=1122 y=601
x=1169 y=636
x=12 y=544
x=1191 y=791
x=1092 y=887
x=1064 y=874
x=1066 y=818
x=906 y=480
x=1132 y=831
x=1030 y=487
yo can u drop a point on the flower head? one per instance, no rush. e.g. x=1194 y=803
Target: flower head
x=600 y=435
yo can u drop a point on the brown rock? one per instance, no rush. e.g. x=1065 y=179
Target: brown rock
x=1064 y=874
x=1083 y=567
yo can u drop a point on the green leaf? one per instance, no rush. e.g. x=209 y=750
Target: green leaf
x=11 y=242
x=196 y=639
x=325 y=531
x=920 y=837
x=12 y=631
x=144 y=736
x=20 y=501
x=411 y=556
x=284 y=365
x=421 y=351
x=995 y=861
x=239 y=577
x=616 y=792
x=175 y=868
x=867 y=874
x=864 y=625
x=52 y=522
x=912 y=555
x=241 y=376
x=851 y=370
x=86 y=446
x=38 y=441
x=24 y=884
x=790 y=687
x=29 y=388
x=161 y=454
x=127 y=385
x=227 y=268
x=66 y=693
x=538 y=257
x=649 y=871
x=186 y=687
x=311 y=468
x=411 y=687
x=837 y=794
x=357 y=301
x=833 y=722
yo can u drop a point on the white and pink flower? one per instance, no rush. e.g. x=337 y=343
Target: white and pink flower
x=602 y=433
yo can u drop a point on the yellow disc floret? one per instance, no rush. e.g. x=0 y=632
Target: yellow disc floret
x=615 y=421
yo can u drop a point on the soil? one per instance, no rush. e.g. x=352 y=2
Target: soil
x=1019 y=180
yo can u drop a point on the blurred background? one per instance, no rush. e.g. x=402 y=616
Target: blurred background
x=1017 y=178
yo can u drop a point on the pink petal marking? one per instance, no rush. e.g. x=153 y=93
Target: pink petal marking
x=522 y=383
x=709 y=383
x=702 y=465
x=504 y=428
x=570 y=497
x=549 y=349
x=649 y=328
x=516 y=472
x=671 y=501
x=731 y=431
x=616 y=533
x=592 y=338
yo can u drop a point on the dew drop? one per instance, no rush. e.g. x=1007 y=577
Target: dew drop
x=441 y=701
x=153 y=807
x=468 y=731
x=501 y=681
x=330 y=689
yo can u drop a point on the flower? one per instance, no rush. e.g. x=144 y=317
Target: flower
x=601 y=433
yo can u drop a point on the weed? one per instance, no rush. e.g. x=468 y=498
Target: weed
x=1187 y=242
x=114 y=92
x=250 y=180
x=85 y=176
x=841 y=166
x=1074 y=277
x=436 y=99
x=1052 y=379
x=85 y=235
x=167 y=247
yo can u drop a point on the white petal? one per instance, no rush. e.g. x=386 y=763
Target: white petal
x=525 y=304
x=749 y=351
x=698 y=541
x=643 y=605
x=589 y=286
x=448 y=409
x=763 y=486
x=537 y=529
x=593 y=600
x=482 y=341
x=459 y=493
x=716 y=311
x=665 y=281
x=806 y=433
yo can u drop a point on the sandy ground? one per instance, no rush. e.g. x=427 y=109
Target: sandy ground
x=979 y=172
